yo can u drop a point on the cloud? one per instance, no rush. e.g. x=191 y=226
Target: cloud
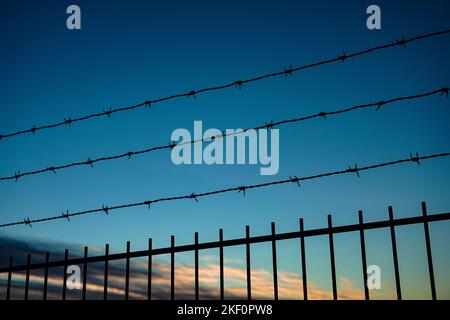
x=290 y=283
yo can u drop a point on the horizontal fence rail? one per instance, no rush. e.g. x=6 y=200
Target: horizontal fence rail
x=272 y=238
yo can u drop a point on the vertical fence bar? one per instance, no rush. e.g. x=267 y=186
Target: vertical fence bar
x=222 y=289
x=27 y=277
x=8 y=288
x=127 y=271
x=105 y=281
x=274 y=259
x=196 y=265
x=249 y=272
x=429 y=256
x=333 y=265
x=394 y=254
x=363 y=254
x=149 y=271
x=172 y=268
x=83 y=297
x=303 y=257
x=47 y=259
x=66 y=257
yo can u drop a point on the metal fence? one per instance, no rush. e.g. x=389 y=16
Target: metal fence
x=301 y=234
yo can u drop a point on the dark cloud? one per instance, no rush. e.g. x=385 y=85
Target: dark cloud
x=19 y=249
x=262 y=282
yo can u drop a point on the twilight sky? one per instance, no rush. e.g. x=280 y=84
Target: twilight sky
x=127 y=53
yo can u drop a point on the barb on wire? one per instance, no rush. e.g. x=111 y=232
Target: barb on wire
x=380 y=104
x=239 y=84
x=27 y=221
x=342 y=57
x=193 y=93
x=195 y=196
x=322 y=114
x=355 y=170
x=267 y=125
x=17 y=175
x=68 y=121
x=415 y=158
x=171 y=145
x=294 y=179
x=402 y=42
x=108 y=112
x=66 y=215
x=90 y=162
x=52 y=169
x=289 y=71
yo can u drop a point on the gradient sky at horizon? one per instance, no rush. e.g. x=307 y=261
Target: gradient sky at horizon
x=126 y=53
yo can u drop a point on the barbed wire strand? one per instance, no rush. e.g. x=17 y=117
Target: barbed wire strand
x=193 y=196
x=239 y=83
x=267 y=125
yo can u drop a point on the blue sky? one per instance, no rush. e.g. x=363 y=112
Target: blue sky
x=128 y=53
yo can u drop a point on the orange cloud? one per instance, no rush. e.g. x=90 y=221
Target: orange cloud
x=289 y=283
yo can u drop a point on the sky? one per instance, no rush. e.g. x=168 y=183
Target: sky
x=129 y=52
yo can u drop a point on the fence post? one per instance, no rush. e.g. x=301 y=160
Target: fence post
x=85 y=273
x=8 y=288
x=303 y=257
x=333 y=266
x=247 y=246
x=196 y=266
x=27 y=279
x=47 y=259
x=429 y=256
x=363 y=254
x=222 y=289
x=105 y=281
x=127 y=271
x=149 y=271
x=274 y=259
x=394 y=254
x=66 y=257
x=172 y=268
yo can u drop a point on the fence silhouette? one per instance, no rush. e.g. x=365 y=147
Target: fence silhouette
x=301 y=234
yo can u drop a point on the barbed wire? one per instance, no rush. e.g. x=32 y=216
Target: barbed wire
x=193 y=196
x=267 y=125
x=238 y=84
